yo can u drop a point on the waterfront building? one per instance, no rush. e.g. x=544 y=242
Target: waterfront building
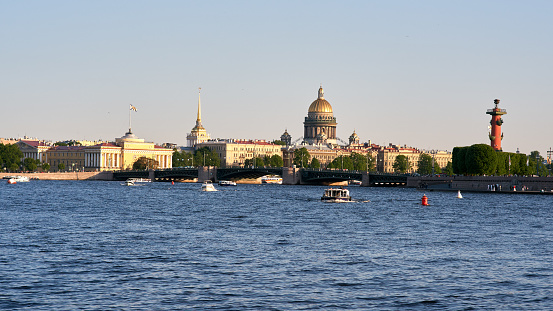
x=319 y=126
x=234 y=153
x=108 y=156
x=198 y=134
x=495 y=134
x=72 y=157
x=386 y=157
x=34 y=149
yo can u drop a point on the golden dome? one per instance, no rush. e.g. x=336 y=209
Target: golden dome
x=320 y=104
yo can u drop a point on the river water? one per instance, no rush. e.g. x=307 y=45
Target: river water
x=79 y=245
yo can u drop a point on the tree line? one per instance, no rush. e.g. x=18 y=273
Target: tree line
x=482 y=159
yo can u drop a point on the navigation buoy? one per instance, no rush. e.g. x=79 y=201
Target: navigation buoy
x=424 y=201
x=459 y=196
x=172 y=182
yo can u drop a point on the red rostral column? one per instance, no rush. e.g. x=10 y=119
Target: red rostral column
x=495 y=134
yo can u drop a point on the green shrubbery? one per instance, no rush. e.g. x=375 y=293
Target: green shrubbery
x=481 y=159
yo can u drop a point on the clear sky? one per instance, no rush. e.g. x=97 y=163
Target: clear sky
x=420 y=73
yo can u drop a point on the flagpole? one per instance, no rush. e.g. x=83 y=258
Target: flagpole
x=130 y=120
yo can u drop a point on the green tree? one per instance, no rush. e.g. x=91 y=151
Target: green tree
x=315 y=163
x=45 y=167
x=371 y=161
x=458 y=158
x=448 y=169
x=29 y=164
x=301 y=157
x=10 y=156
x=342 y=163
x=535 y=164
x=425 y=164
x=481 y=159
x=437 y=168
x=359 y=161
x=182 y=159
x=273 y=161
x=279 y=142
x=61 y=166
x=206 y=157
x=144 y=163
x=401 y=164
x=254 y=162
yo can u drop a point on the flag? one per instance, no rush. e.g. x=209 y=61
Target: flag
x=133 y=107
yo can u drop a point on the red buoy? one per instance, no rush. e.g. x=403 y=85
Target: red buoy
x=424 y=200
x=172 y=182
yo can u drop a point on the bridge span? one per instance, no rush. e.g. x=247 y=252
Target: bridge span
x=290 y=176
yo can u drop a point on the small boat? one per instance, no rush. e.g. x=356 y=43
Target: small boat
x=459 y=196
x=271 y=180
x=335 y=195
x=355 y=182
x=208 y=186
x=136 y=181
x=16 y=179
x=226 y=183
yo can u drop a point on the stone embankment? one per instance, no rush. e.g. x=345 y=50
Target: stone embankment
x=64 y=176
x=484 y=183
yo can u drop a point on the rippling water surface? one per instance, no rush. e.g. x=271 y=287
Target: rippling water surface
x=77 y=245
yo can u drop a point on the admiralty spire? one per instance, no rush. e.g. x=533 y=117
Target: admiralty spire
x=198 y=134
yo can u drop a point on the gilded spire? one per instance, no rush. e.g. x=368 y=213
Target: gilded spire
x=199 y=120
x=321 y=92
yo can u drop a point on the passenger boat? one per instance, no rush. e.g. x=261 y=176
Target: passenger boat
x=226 y=183
x=208 y=186
x=271 y=180
x=16 y=179
x=334 y=195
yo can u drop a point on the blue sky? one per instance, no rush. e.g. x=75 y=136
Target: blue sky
x=420 y=73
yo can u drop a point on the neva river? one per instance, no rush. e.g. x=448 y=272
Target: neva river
x=78 y=245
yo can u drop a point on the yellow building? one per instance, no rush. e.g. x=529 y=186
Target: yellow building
x=120 y=155
x=72 y=157
x=34 y=149
x=387 y=156
x=235 y=152
x=124 y=152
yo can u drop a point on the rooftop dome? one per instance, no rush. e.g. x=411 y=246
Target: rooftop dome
x=320 y=104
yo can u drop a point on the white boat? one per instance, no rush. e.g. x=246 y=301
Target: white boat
x=459 y=196
x=136 y=181
x=227 y=183
x=271 y=180
x=334 y=195
x=16 y=179
x=208 y=186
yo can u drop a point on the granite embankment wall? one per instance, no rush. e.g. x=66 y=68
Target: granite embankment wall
x=481 y=183
x=65 y=176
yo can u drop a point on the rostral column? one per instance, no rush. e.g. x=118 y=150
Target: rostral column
x=495 y=135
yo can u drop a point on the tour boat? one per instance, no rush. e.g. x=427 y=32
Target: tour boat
x=16 y=179
x=334 y=195
x=271 y=180
x=208 y=186
x=227 y=183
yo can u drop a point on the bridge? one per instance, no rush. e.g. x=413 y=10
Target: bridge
x=290 y=176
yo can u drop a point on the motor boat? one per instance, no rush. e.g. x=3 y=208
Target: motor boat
x=208 y=186
x=227 y=183
x=136 y=181
x=16 y=179
x=335 y=195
